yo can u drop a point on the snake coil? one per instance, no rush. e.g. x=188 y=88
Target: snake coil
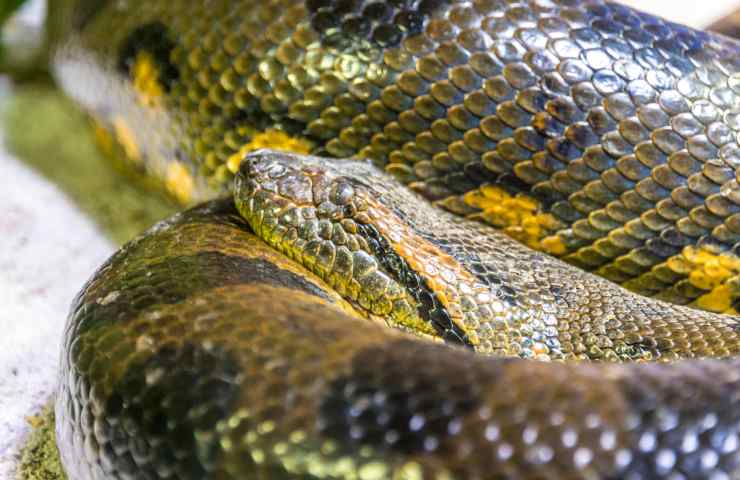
x=244 y=338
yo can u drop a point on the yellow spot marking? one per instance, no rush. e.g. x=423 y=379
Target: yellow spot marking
x=519 y=216
x=103 y=138
x=711 y=271
x=179 y=182
x=146 y=79
x=126 y=139
x=275 y=139
x=553 y=245
x=718 y=300
x=35 y=420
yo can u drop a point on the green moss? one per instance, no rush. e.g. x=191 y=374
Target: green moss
x=47 y=132
x=40 y=458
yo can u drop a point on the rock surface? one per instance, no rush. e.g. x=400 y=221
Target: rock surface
x=48 y=249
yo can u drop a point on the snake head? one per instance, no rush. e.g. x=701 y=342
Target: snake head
x=303 y=207
x=330 y=216
x=286 y=182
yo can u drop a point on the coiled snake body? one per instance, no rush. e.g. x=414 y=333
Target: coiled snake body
x=584 y=129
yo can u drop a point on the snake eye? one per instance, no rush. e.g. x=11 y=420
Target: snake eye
x=276 y=170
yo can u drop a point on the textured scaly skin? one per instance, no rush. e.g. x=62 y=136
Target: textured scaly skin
x=609 y=135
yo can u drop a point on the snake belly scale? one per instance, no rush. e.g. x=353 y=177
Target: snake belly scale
x=247 y=337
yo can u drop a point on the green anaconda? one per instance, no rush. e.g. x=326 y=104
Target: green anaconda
x=247 y=337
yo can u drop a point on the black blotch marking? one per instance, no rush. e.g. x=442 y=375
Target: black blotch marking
x=497 y=281
x=478 y=173
x=295 y=128
x=459 y=182
x=382 y=23
x=404 y=398
x=547 y=197
x=647 y=345
x=155 y=410
x=152 y=38
x=513 y=184
x=241 y=117
x=175 y=278
x=429 y=307
x=714 y=244
x=259 y=120
x=660 y=248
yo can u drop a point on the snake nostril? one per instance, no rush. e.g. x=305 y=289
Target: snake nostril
x=276 y=170
x=248 y=166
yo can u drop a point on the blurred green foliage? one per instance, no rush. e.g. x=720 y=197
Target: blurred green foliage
x=7 y=9
x=47 y=132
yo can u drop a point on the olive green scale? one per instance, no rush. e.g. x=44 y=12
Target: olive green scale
x=621 y=125
x=620 y=128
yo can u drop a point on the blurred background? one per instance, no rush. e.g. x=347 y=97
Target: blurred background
x=694 y=13
x=21 y=39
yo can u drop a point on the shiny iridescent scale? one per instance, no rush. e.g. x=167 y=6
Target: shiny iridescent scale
x=623 y=126
x=196 y=352
x=513 y=301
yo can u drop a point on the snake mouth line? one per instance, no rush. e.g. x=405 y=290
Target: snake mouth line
x=430 y=308
x=322 y=220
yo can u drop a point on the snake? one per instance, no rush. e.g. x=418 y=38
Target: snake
x=426 y=239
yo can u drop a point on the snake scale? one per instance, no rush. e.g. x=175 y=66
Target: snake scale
x=244 y=338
